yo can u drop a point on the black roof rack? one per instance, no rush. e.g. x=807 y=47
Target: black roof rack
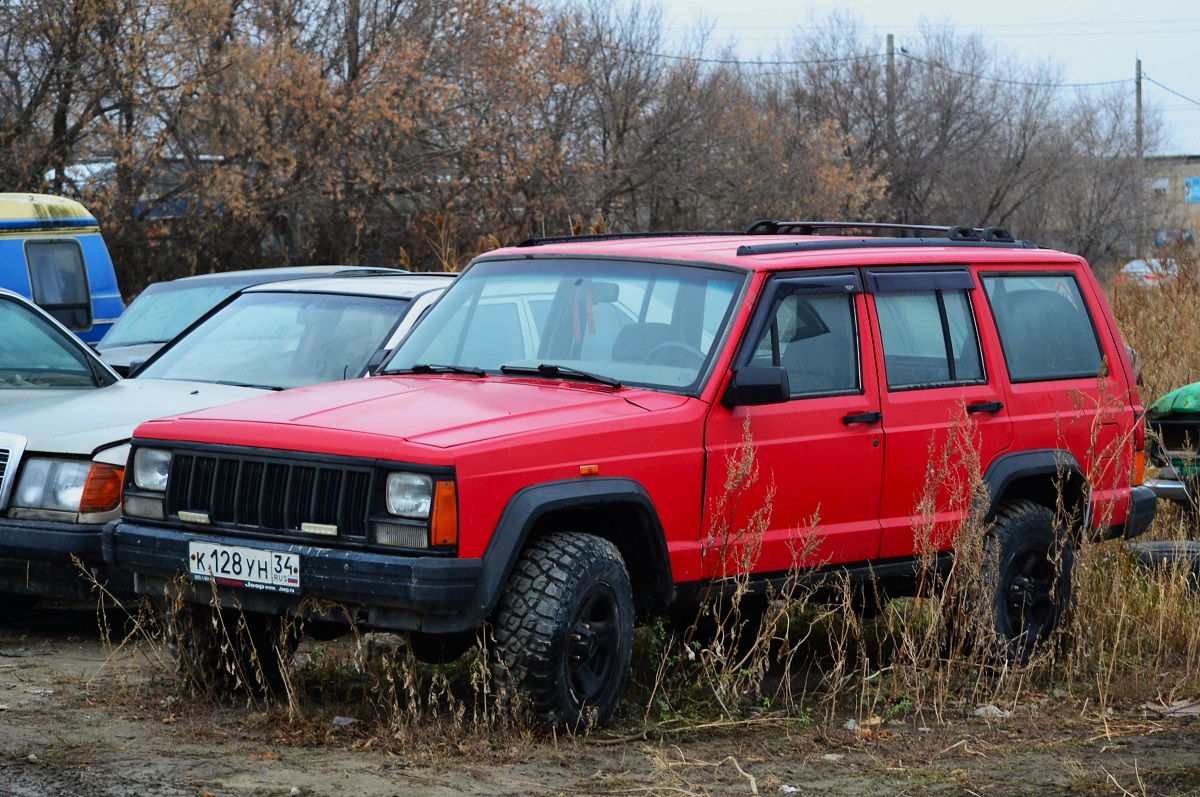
x=618 y=236
x=902 y=235
x=897 y=235
x=956 y=233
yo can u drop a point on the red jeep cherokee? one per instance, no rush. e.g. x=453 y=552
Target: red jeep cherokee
x=546 y=449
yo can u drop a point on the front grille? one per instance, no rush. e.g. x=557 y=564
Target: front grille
x=1178 y=437
x=12 y=447
x=266 y=494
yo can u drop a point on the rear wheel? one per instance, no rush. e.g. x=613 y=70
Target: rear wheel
x=1028 y=568
x=564 y=630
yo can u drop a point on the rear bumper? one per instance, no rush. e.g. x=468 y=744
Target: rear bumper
x=412 y=593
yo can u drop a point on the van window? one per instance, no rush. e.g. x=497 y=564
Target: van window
x=58 y=277
x=1045 y=328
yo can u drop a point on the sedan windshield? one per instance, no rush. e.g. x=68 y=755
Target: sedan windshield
x=282 y=340
x=36 y=354
x=602 y=322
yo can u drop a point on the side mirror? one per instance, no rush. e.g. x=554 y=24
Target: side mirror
x=754 y=385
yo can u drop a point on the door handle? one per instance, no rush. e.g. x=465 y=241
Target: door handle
x=986 y=406
x=862 y=417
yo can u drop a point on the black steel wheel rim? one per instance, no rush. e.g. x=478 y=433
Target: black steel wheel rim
x=593 y=644
x=1029 y=596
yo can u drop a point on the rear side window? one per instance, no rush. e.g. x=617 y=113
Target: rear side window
x=929 y=339
x=1045 y=327
x=58 y=276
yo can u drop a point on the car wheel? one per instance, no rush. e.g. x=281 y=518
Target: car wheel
x=564 y=630
x=221 y=651
x=1027 y=567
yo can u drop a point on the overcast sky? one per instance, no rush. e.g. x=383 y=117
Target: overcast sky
x=1095 y=42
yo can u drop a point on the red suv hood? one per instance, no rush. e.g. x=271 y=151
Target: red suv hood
x=436 y=411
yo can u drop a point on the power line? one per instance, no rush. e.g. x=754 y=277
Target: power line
x=743 y=61
x=1149 y=79
x=1010 y=82
x=903 y=53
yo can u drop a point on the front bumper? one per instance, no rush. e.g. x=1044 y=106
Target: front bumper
x=62 y=561
x=1169 y=484
x=397 y=592
x=1170 y=490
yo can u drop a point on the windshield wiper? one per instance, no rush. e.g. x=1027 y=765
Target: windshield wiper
x=435 y=368
x=247 y=384
x=551 y=370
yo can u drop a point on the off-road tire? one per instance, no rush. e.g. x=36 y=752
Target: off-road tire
x=217 y=652
x=1027 y=566
x=564 y=631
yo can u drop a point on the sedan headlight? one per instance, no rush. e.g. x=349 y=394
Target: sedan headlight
x=51 y=484
x=151 y=466
x=409 y=494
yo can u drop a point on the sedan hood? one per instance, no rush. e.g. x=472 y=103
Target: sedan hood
x=10 y=396
x=437 y=411
x=85 y=422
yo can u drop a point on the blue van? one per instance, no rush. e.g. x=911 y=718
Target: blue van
x=51 y=252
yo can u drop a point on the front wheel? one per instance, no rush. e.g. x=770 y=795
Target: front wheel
x=564 y=630
x=1028 y=568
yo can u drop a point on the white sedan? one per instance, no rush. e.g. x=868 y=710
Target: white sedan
x=62 y=457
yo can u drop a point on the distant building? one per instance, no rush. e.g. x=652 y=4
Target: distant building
x=1173 y=192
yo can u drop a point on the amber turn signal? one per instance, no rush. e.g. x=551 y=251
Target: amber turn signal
x=444 y=524
x=102 y=490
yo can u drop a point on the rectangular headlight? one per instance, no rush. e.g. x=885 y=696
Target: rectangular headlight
x=51 y=484
x=409 y=494
x=151 y=466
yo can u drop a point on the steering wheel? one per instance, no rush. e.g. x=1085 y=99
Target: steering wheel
x=675 y=353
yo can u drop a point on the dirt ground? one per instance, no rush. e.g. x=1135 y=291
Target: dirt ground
x=77 y=720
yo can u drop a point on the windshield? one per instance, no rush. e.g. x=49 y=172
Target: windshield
x=162 y=311
x=647 y=324
x=36 y=354
x=282 y=340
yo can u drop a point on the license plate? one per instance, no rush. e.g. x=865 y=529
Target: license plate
x=233 y=565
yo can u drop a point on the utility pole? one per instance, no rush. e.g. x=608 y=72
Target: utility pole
x=1141 y=153
x=890 y=88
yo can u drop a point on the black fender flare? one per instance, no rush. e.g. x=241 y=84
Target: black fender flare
x=1008 y=468
x=532 y=503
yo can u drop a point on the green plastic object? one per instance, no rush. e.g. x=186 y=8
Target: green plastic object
x=1185 y=399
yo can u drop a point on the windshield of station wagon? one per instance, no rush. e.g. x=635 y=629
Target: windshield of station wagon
x=647 y=324
x=282 y=340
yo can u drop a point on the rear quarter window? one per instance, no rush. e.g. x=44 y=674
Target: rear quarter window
x=1046 y=328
